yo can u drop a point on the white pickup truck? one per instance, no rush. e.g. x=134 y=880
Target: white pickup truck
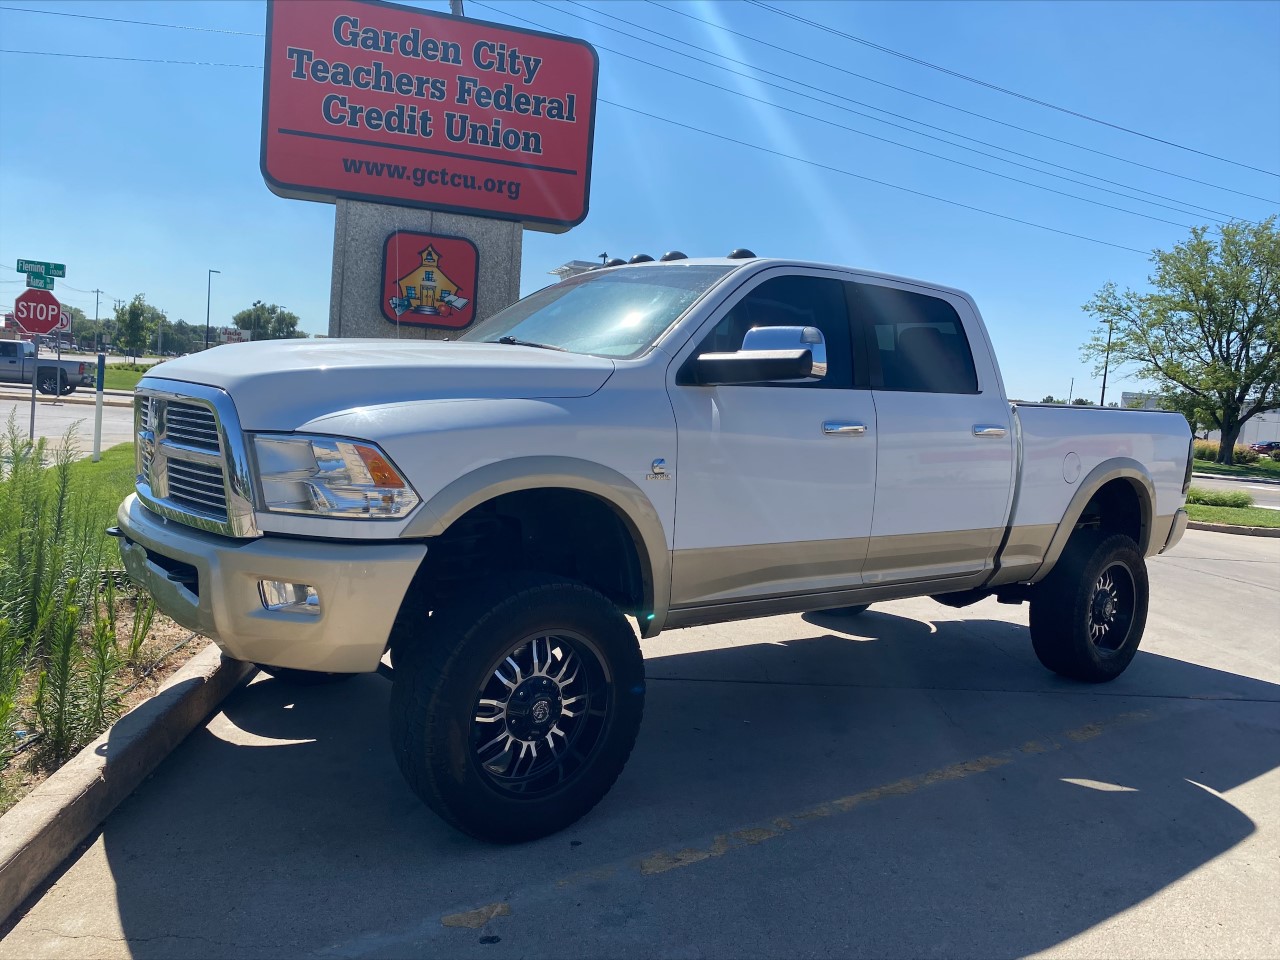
x=677 y=442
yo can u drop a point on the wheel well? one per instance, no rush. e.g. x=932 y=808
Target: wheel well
x=1118 y=506
x=560 y=531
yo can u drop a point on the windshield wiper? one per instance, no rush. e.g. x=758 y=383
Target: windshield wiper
x=516 y=342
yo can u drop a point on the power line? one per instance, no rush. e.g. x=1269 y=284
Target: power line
x=859 y=176
x=828 y=103
x=100 y=56
x=905 y=146
x=952 y=106
x=140 y=23
x=839 y=170
x=1005 y=90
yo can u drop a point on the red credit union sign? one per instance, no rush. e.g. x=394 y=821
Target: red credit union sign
x=37 y=311
x=392 y=104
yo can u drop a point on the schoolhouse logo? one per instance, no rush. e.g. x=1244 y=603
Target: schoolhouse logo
x=429 y=280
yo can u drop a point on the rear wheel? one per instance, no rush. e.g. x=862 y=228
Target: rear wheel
x=517 y=716
x=50 y=381
x=1088 y=615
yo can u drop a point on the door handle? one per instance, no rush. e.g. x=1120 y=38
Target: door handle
x=843 y=428
x=988 y=430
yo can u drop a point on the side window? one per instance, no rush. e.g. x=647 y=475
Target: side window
x=8 y=350
x=792 y=302
x=919 y=341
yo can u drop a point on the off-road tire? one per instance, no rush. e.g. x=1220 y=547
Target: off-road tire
x=50 y=381
x=436 y=700
x=1068 y=608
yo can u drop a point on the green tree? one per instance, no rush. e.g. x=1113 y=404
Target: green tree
x=1081 y=402
x=1209 y=326
x=268 y=322
x=135 y=324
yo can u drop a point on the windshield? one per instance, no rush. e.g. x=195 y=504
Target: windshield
x=613 y=313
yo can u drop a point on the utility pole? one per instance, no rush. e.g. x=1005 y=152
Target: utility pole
x=208 y=299
x=455 y=7
x=1071 y=390
x=97 y=330
x=1106 y=361
x=160 y=334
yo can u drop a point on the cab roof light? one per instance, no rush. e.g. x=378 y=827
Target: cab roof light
x=641 y=258
x=741 y=253
x=672 y=255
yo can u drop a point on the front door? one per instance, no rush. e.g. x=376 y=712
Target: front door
x=945 y=456
x=774 y=482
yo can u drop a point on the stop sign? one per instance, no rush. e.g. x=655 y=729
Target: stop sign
x=37 y=311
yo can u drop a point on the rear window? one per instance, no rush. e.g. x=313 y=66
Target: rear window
x=919 y=341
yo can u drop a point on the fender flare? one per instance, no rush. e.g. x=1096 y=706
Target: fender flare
x=626 y=499
x=1117 y=468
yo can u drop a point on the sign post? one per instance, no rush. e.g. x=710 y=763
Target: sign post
x=97 y=413
x=38 y=313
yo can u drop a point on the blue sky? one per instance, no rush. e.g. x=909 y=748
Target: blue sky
x=141 y=176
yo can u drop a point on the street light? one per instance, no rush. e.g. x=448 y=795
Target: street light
x=208 y=296
x=1106 y=361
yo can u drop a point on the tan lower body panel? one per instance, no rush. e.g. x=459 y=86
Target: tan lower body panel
x=714 y=575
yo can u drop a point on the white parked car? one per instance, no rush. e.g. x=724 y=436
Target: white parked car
x=680 y=443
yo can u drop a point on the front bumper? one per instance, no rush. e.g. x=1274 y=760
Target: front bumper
x=209 y=584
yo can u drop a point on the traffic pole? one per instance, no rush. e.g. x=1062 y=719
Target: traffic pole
x=97 y=411
x=35 y=375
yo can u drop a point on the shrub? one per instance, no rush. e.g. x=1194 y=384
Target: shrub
x=1205 y=450
x=52 y=627
x=1219 y=498
x=1244 y=455
x=1275 y=455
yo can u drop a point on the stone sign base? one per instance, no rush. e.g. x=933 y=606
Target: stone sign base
x=359 y=232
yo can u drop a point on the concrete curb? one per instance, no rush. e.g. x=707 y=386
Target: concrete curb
x=1231 y=528
x=46 y=826
x=107 y=400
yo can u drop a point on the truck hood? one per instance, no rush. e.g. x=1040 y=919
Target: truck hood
x=278 y=385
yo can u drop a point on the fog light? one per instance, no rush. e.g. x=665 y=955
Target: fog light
x=289 y=597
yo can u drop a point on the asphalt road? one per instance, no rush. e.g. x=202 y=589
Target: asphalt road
x=54 y=419
x=909 y=783
x=1264 y=494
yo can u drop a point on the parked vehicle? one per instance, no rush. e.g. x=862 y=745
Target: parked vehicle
x=1266 y=448
x=18 y=364
x=680 y=443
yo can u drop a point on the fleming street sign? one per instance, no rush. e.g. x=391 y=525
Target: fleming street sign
x=375 y=101
x=37 y=282
x=43 y=268
x=37 y=312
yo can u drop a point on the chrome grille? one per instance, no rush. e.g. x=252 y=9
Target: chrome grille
x=191 y=460
x=191 y=424
x=198 y=486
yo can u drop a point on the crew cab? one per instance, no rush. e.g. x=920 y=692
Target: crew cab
x=18 y=364
x=635 y=449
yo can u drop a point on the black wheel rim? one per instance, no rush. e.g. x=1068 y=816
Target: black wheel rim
x=540 y=714
x=1111 y=608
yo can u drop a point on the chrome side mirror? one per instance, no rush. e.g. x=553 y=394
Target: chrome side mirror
x=791 y=338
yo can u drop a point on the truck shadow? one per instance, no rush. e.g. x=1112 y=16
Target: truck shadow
x=285 y=828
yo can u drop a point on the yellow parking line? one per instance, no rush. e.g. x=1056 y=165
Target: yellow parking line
x=663 y=860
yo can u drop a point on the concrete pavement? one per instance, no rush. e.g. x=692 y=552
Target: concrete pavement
x=906 y=783
x=54 y=419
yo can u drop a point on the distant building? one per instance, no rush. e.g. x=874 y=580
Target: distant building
x=1139 y=401
x=573 y=268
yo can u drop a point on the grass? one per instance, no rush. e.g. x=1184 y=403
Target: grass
x=124 y=376
x=1235 y=516
x=64 y=651
x=1219 y=498
x=1263 y=468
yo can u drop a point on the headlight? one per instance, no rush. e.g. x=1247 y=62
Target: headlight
x=327 y=477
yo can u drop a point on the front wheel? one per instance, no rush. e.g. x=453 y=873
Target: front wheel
x=1088 y=615
x=518 y=713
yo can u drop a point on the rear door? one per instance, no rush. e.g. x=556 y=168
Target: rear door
x=774 y=482
x=945 y=453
